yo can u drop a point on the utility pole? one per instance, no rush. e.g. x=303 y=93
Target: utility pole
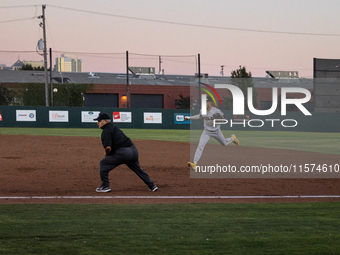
x=127 y=81
x=160 y=65
x=43 y=24
x=199 y=80
x=51 y=86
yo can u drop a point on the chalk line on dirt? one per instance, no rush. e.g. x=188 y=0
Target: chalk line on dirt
x=167 y=197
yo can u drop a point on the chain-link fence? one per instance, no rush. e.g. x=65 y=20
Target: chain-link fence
x=33 y=94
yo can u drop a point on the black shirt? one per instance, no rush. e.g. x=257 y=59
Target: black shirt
x=114 y=137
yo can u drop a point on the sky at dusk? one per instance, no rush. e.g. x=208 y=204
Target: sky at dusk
x=260 y=34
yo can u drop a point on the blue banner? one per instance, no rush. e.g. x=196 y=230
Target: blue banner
x=179 y=118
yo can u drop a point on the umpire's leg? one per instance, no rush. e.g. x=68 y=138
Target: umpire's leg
x=133 y=164
x=106 y=165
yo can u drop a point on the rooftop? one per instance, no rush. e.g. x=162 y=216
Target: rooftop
x=29 y=76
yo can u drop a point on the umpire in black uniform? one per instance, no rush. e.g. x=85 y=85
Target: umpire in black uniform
x=119 y=149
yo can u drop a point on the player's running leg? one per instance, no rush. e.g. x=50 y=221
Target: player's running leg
x=203 y=141
x=218 y=135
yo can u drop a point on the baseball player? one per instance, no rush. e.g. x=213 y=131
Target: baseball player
x=119 y=149
x=210 y=131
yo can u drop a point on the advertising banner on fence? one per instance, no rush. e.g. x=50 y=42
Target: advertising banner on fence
x=122 y=117
x=0 y=115
x=25 y=115
x=58 y=116
x=152 y=117
x=88 y=116
x=179 y=118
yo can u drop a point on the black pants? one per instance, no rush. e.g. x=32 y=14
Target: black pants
x=125 y=155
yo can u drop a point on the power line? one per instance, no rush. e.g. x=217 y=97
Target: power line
x=107 y=53
x=155 y=55
x=170 y=22
x=17 y=51
x=193 y=25
x=14 y=20
x=17 y=6
x=90 y=53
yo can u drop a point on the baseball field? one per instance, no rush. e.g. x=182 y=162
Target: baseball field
x=48 y=203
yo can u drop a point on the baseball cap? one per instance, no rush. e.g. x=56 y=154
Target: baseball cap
x=209 y=99
x=102 y=116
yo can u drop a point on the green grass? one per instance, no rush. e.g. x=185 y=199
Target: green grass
x=328 y=143
x=88 y=132
x=143 y=134
x=301 y=141
x=310 y=228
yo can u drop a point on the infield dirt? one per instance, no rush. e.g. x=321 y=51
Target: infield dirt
x=69 y=166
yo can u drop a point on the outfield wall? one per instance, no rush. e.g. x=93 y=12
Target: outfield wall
x=82 y=117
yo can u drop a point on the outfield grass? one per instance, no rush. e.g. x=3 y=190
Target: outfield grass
x=310 y=228
x=143 y=134
x=300 y=141
x=328 y=143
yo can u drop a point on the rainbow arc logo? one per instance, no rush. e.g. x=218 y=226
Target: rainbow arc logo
x=209 y=93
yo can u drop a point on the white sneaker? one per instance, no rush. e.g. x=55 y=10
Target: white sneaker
x=102 y=189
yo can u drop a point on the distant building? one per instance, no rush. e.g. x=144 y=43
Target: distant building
x=18 y=64
x=283 y=74
x=4 y=67
x=157 y=91
x=68 y=64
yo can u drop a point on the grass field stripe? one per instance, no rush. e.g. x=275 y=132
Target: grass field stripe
x=168 y=197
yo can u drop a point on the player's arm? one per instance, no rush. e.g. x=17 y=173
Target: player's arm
x=194 y=117
x=107 y=150
x=107 y=143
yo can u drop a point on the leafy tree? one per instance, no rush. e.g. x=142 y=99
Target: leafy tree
x=242 y=79
x=70 y=94
x=6 y=95
x=183 y=102
x=30 y=67
x=33 y=94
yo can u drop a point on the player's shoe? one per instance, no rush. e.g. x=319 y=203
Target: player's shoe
x=153 y=188
x=236 y=141
x=192 y=165
x=102 y=189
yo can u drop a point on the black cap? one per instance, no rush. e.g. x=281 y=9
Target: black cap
x=102 y=116
x=209 y=99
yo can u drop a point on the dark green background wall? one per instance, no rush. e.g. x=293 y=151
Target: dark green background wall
x=318 y=122
x=42 y=117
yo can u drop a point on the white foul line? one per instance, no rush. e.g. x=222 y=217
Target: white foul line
x=168 y=197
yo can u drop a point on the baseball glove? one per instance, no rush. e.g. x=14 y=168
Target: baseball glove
x=218 y=116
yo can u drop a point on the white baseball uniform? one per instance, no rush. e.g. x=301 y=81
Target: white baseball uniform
x=210 y=131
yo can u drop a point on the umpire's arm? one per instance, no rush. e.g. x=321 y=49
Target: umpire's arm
x=107 y=150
